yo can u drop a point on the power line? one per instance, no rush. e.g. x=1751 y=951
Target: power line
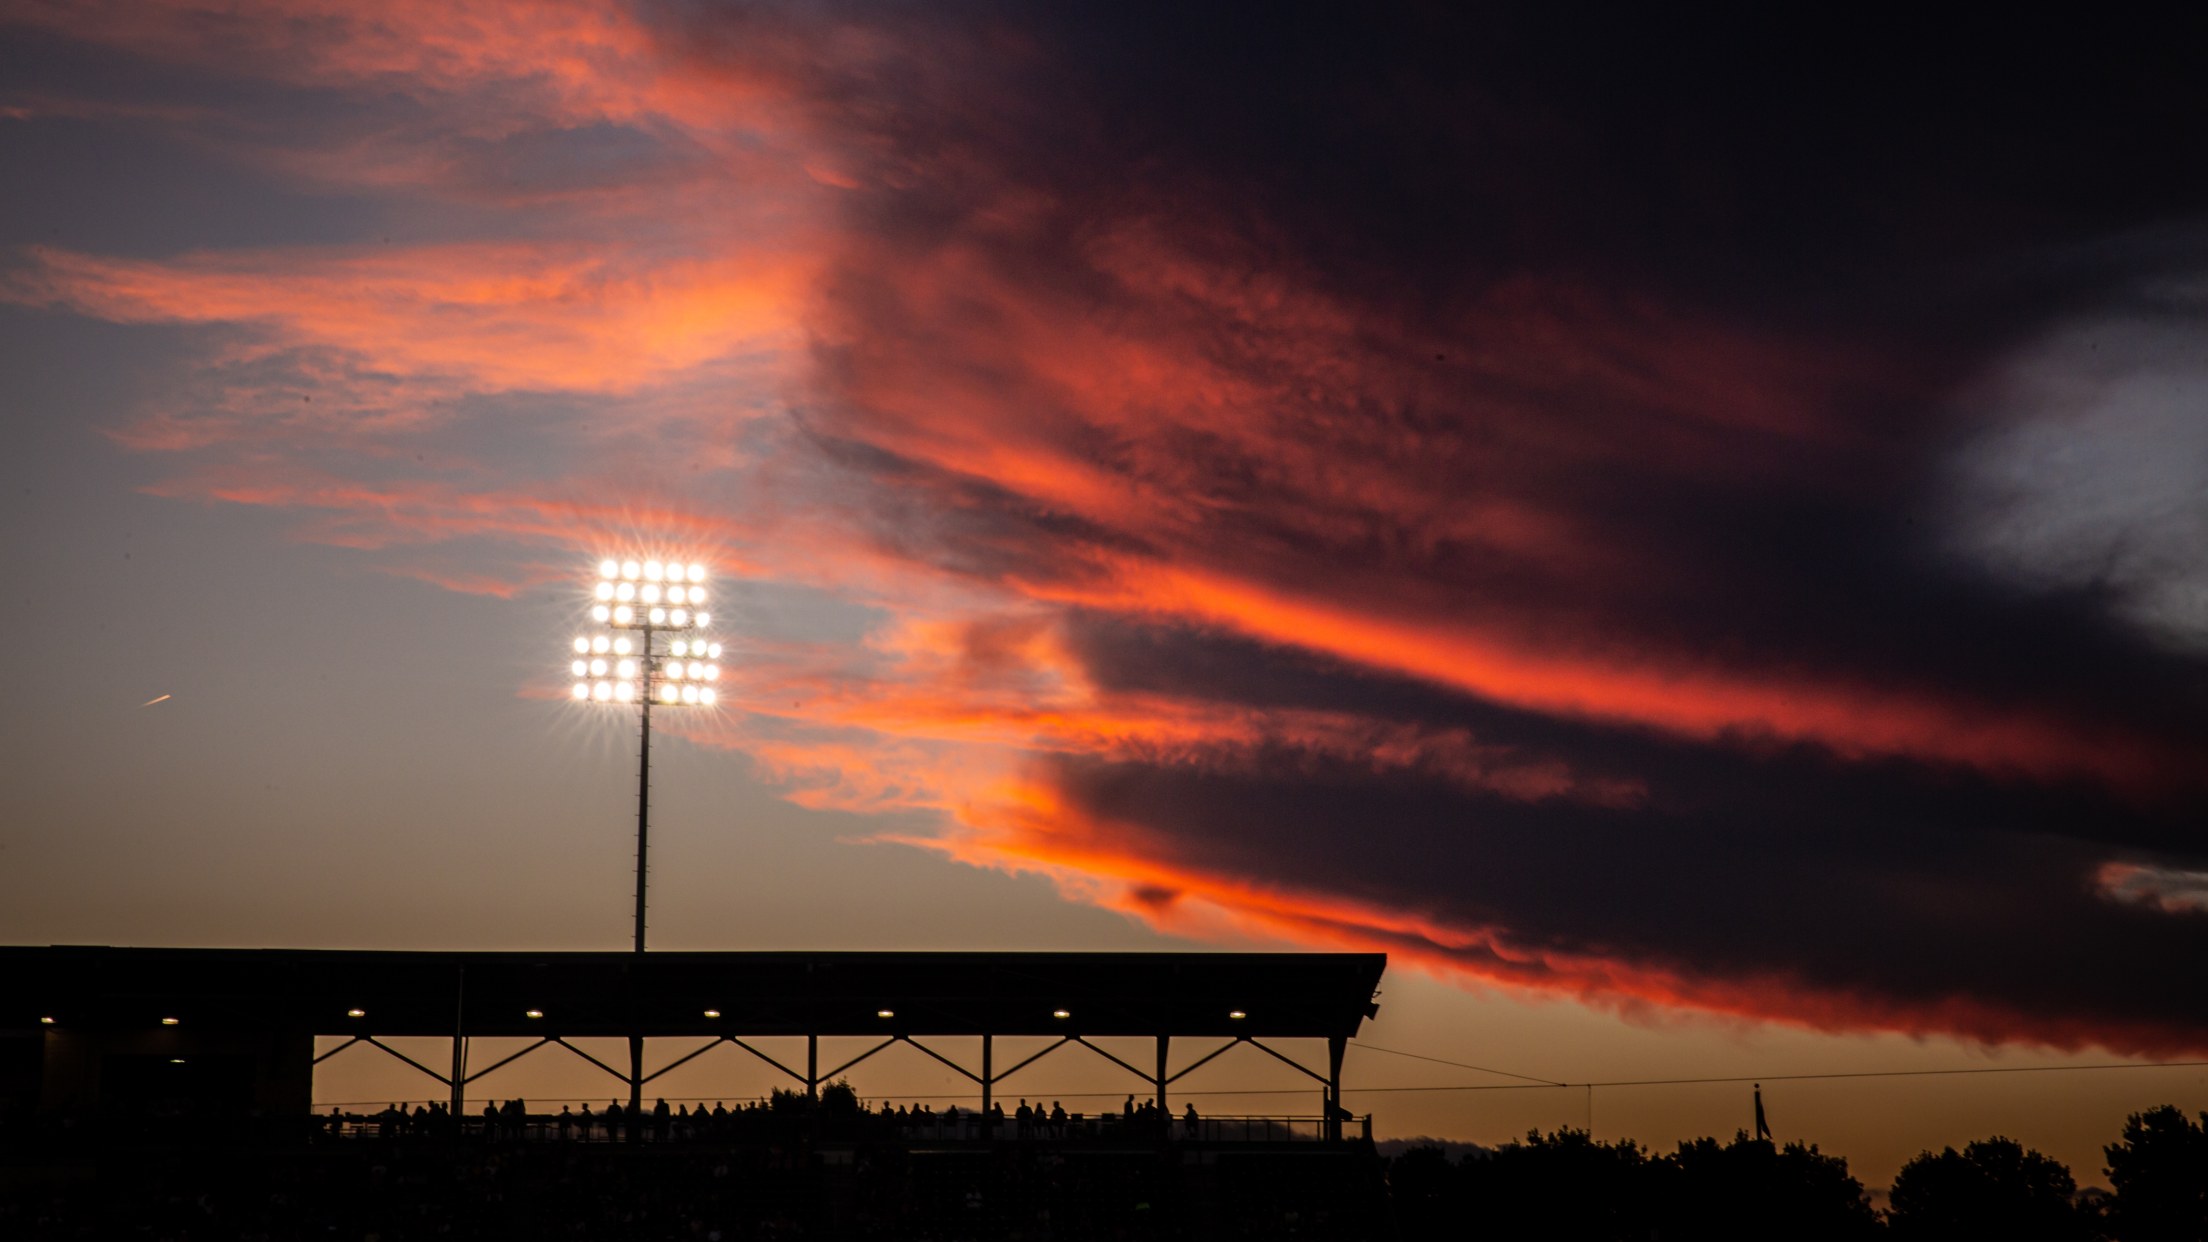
x=1931 y=1073
x=1530 y=1082
x=1683 y=1082
x=1417 y=1056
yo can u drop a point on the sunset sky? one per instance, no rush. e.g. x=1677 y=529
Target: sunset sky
x=1690 y=535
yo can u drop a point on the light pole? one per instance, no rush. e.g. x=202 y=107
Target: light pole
x=640 y=602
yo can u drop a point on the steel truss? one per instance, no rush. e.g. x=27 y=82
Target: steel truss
x=813 y=1076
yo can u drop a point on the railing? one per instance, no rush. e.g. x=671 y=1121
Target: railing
x=1248 y=1129
x=965 y=1127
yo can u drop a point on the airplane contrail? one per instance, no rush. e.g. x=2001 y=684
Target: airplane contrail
x=151 y=702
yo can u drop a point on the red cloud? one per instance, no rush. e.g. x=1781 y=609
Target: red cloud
x=1709 y=703
x=1009 y=687
x=569 y=61
x=1265 y=459
x=1121 y=866
x=486 y=318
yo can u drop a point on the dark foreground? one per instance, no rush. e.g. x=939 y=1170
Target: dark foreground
x=430 y=1189
x=802 y=1178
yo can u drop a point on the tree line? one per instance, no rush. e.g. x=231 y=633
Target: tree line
x=1567 y=1185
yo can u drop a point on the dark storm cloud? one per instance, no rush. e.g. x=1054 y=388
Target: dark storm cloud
x=1838 y=911
x=1610 y=358
x=1887 y=884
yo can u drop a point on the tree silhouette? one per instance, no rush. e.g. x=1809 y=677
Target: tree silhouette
x=2160 y=1171
x=1750 y=1189
x=839 y=1099
x=1422 y=1186
x=1568 y=1186
x=1995 y=1188
x=1564 y=1185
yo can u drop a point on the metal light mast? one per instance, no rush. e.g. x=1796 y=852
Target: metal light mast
x=641 y=602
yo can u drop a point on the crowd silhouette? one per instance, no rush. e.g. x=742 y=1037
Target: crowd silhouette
x=796 y=1166
x=790 y=1166
x=837 y=1113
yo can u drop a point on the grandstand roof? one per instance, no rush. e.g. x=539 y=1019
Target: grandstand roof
x=435 y=993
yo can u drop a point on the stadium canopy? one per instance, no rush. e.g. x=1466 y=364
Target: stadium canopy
x=98 y=1005
x=1274 y=995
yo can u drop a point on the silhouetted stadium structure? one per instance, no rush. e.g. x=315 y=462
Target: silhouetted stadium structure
x=113 y=1022
x=168 y=1092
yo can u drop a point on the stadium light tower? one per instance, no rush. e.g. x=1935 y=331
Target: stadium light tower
x=641 y=602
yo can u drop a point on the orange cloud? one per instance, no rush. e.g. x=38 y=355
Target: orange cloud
x=1707 y=704
x=1217 y=431
x=495 y=318
x=1119 y=865
x=1009 y=689
x=574 y=60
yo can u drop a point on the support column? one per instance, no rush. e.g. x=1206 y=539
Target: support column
x=459 y=1082
x=1163 y=1042
x=636 y=1074
x=643 y=785
x=643 y=874
x=812 y=1067
x=1336 y=1045
x=988 y=1075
